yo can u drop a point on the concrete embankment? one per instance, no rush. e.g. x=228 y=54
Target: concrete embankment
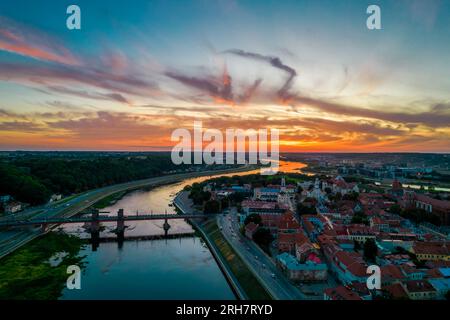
x=181 y=203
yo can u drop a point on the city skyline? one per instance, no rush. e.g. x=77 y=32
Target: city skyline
x=133 y=74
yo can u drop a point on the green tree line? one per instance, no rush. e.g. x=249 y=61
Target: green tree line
x=34 y=179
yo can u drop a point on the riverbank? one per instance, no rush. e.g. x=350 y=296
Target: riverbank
x=33 y=272
x=241 y=279
x=249 y=283
x=85 y=200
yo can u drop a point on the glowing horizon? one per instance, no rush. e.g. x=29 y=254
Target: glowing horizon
x=133 y=74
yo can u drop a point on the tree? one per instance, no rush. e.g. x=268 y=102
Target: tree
x=360 y=217
x=337 y=197
x=263 y=238
x=224 y=203
x=33 y=178
x=419 y=215
x=302 y=209
x=254 y=217
x=238 y=197
x=353 y=196
x=370 y=250
x=211 y=206
x=199 y=196
x=22 y=186
x=356 y=245
x=395 y=209
x=447 y=295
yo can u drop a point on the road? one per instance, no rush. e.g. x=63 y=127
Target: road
x=14 y=238
x=103 y=218
x=261 y=265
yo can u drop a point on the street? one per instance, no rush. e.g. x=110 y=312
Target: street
x=262 y=266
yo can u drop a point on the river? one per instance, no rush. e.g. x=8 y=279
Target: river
x=178 y=268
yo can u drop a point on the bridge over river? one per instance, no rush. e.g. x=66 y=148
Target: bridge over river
x=96 y=217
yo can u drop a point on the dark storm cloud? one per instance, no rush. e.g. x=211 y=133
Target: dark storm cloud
x=274 y=62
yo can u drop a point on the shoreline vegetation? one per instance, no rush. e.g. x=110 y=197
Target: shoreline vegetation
x=111 y=199
x=33 y=179
x=28 y=274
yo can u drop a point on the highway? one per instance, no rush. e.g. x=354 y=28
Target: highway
x=260 y=264
x=14 y=238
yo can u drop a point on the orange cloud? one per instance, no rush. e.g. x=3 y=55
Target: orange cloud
x=25 y=41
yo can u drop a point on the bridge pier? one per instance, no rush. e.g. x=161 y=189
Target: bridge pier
x=120 y=231
x=95 y=230
x=95 y=224
x=166 y=227
x=120 y=222
x=95 y=240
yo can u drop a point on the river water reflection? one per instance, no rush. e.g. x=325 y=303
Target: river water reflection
x=180 y=268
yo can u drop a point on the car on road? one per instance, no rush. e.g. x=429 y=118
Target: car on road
x=273 y=275
x=263 y=265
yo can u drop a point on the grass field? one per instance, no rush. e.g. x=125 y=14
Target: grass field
x=245 y=277
x=109 y=200
x=27 y=275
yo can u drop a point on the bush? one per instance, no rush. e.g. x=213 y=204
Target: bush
x=255 y=218
x=211 y=206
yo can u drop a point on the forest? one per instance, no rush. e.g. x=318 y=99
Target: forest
x=33 y=179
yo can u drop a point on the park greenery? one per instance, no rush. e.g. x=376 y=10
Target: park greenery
x=254 y=217
x=245 y=277
x=359 y=217
x=370 y=250
x=304 y=209
x=263 y=238
x=212 y=206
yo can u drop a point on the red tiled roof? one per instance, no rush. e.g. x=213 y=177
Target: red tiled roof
x=291 y=237
x=288 y=221
x=438 y=248
x=392 y=272
x=396 y=290
x=251 y=227
x=262 y=204
x=341 y=293
x=353 y=262
x=441 y=204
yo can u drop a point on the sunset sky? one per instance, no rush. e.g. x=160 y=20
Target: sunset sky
x=137 y=70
